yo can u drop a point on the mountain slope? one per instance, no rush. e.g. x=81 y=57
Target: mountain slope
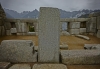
x=8 y=15
x=13 y=13
x=35 y=13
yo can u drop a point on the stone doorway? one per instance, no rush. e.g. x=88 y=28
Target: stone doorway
x=83 y=24
x=13 y=25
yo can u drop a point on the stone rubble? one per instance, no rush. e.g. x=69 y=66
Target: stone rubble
x=92 y=46
x=84 y=37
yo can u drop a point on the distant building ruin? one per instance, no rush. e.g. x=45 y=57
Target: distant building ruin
x=75 y=26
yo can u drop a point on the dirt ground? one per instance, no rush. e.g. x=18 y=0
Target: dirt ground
x=72 y=41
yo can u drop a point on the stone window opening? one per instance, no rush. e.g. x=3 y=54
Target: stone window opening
x=64 y=26
x=31 y=27
x=83 y=24
x=13 y=25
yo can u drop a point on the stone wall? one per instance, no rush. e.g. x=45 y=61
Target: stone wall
x=2 y=21
x=74 y=28
x=98 y=26
x=17 y=51
x=93 y=25
x=21 y=26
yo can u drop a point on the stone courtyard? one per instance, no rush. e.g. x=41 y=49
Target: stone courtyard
x=49 y=51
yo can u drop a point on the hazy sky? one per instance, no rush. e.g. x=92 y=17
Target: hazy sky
x=68 y=5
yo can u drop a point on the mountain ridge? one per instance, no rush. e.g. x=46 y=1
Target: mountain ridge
x=35 y=13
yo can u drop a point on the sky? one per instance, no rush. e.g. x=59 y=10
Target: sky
x=67 y=5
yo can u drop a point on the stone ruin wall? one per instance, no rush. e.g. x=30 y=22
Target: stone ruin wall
x=21 y=26
x=75 y=26
x=2 y=21
x=93 y=24
x=16 y=51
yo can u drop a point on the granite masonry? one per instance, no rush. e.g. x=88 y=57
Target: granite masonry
x=49 y=54
x=80 y=56
x=49 y=35
x=2 y=21
x=17 y=51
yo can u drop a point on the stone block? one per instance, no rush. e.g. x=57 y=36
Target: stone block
x=19 y=34
x=74 y=25
x=36 y=27
x=20 y=66
x=36 y=33
x=91 y=34
x=17 y=51
x=36 y=48
x=1 y=22
x=80 y=56
x=7 y=26
x=21 y=27
x=64 y=47
x=98 y=34
x=97 y=47
x=13 y=30
x=3 y=30
x=82 y=30
x=18 y=26
x=24 y=27
x=98 y=22
x=22 y=33
x=49 y=66
x=92 y=46
x=8 y=32
x=4 y=65
x=74 y=31
x=91 y=27
x=49 y=35
x=31 y=33
x=67 y=20
x=65 y=33
x=83 y=37
x=80 y=19
x=93 y=19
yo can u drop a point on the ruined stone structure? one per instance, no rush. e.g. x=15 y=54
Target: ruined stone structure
x=16 y=51
x=93 y=24
x=75 y=26
x=2 y=21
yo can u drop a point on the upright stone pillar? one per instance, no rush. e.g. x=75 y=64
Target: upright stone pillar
x=36 y=27
x=49 y=35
